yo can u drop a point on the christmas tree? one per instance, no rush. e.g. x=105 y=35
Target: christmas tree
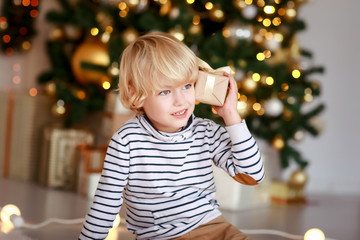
x=256 y=38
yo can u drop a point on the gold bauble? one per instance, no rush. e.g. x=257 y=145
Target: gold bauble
x=91 y=51
x=298 y=179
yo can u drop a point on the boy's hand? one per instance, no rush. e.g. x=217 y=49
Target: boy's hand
x=228 y=111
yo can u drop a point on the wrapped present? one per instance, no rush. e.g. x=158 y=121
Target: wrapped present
x=211 y=85
x=58 y=164
x=91 y=160
x=22 y=118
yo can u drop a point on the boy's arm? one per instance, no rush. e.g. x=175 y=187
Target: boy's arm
x=108 y=198
x=245 y=155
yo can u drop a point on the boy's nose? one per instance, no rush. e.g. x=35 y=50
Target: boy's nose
x=178 y=98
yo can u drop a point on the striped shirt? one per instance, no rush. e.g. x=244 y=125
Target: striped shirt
x=165 y=180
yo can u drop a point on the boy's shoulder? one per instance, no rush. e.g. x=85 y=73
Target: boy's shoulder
x=128 y=126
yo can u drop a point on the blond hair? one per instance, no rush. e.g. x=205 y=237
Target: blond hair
x=150 y=59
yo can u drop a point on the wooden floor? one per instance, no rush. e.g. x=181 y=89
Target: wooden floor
x=337 y=216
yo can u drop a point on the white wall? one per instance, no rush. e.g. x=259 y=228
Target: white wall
x=332 y=36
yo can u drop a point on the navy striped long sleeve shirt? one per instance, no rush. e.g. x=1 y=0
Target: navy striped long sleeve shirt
x=165 y=180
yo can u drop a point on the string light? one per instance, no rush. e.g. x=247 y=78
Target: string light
x=10 y=216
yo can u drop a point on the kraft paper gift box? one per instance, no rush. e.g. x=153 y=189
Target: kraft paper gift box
x=91 y=161
x=211 y=86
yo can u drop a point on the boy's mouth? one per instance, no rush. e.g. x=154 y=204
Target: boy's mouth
x=180 y=113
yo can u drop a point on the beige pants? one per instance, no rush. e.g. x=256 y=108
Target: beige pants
x=217 y=229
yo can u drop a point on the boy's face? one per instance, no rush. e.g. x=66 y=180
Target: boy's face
x=170 y=108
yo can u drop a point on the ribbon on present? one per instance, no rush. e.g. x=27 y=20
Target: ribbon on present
x=204 y=66
x=210 y=80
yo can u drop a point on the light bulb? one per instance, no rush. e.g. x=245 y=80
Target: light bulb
x=10 y=215
x=314 y=234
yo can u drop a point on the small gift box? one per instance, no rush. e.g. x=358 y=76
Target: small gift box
x=211 y=86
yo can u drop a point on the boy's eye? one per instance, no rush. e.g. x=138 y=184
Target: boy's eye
x=188 y=86
x=165 y=92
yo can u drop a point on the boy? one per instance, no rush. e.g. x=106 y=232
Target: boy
x=159 y=162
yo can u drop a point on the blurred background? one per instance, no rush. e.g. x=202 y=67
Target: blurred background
x=296 y=63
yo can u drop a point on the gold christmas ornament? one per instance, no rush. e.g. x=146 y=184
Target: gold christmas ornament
x=298 y=179
x=91 y=51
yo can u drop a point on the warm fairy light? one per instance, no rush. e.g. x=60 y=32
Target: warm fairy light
x=278 y=37
x=248 y=2
x=209 y=5
x=260 y=3
x=196 y=20
x=269 y=9
x=123 y=14
x=266 y=22
x=34 y=13
x=291 y=100
x=296 y=73
x=269 y=80
x=105 y=37
x=94 y=31
x=308 y=91
x=238 y=97
x=285 y=87
x=291 y=12
x=25 y=3
x=33 y=92
x=122 y=6
x=213 y=111
x=260 y=56
x=109 y=29
x=243 y=98
x=276 y=21
x=260 y=112
x=133 y=2
x=26 y=45
x=34 y=3
x=314 y=234
x=6 y=38
x=81 y=94
x=256 y=106
x=6 y=212
x=308 y=98
x=16 y=79
x=256 y=77
x=190 y=1
x=281 y=12
x=16 y=67
x=278 y=142
x=106 y=85
x=267 y=53
x=277 y=1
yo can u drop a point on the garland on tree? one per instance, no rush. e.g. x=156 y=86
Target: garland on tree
x=17 y=25
x=257 y=39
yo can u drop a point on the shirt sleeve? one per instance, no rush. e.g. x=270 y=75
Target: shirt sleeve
x=108 y=198
x=238 y=154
